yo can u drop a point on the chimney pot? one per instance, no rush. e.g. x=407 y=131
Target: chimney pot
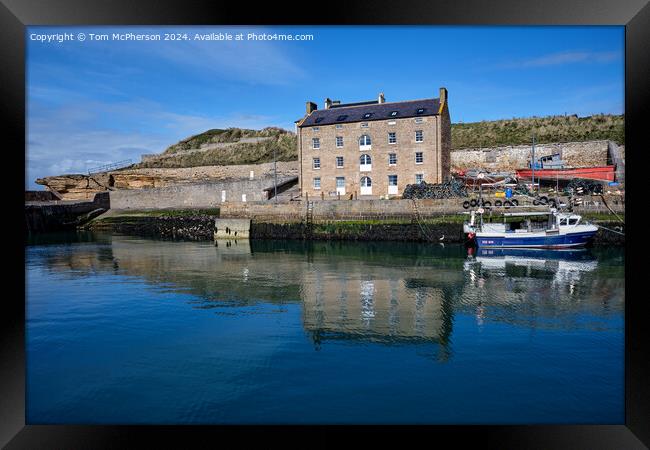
x=311 y=107
x=328 y=103
x=381 y=98
x=443 y=95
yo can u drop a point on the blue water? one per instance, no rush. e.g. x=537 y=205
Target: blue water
x=126 y=330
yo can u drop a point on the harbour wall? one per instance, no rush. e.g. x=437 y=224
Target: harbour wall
x=197 y=195
x=510 y=158
x=201 y=228
x=42 y=216
x=328 y=210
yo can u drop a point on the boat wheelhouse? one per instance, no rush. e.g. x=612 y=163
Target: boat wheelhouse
x=538 y=229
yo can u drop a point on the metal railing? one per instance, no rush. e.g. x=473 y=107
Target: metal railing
x=111 y=166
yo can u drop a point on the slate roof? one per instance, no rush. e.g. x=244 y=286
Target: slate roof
x=380 y=111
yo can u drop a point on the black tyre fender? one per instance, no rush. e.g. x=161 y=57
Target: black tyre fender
x=535 y=202
x=515 y=202
x=466 y=204
x=543 y=200
x=487 y=204
x=497 y=203
x=473 y=202
x=507 y=204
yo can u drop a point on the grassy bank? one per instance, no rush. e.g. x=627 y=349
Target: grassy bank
x=488 y=133
x=546 y=129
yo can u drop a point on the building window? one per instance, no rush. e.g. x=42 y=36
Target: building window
x=392 y=159
x=392 y=138
x=339 y=126
x=392 y=180
x=316 y=164
x=364 y=124
x=366 y=182
x=364 y=141
x=339 y=162
x=315 y=143
x=419 y=178
x=365 y=163
x=340 y=182
x=419 y=137
x=315 y=129
x=339 y=141
x=418 y=158
x=317 y=183
x=419 y=120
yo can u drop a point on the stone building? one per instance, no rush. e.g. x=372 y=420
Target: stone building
x=373 y=149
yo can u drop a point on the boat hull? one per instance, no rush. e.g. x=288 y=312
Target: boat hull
x=567 y=240
x=603 y=173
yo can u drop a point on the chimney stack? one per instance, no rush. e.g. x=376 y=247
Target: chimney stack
x=328 y=103
x=381 y=98
x=443 y=95
x=311 y=107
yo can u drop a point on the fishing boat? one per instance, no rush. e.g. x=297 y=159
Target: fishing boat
x=552 y=167
x=601 y=173
x=536 y=229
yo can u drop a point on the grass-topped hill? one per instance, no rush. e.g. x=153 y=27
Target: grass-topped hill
x=244 y=146
x=547 y=130
x=228 y=147
x=229 y=135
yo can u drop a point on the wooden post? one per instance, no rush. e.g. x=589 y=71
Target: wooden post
x=322 y=195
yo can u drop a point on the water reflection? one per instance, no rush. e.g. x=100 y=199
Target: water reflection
x=379 y=292
x=122 y=328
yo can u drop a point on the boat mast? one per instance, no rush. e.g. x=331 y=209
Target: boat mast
x=532 y=162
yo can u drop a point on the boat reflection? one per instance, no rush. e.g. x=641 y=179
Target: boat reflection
x=567 y=266
x=538 y=288
x=375 y=292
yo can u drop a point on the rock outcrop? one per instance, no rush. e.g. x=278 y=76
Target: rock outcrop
x=80 y=187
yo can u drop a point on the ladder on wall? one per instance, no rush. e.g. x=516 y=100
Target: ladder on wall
x=418 y=218
x=309 y=218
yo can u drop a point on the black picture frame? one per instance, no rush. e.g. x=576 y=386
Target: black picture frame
x=16 y=14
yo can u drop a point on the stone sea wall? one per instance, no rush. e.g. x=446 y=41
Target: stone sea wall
x=510 y=158
x=197 y=227
x=200 y=227
x=197 y=195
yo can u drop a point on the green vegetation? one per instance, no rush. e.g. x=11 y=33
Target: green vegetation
x=434 y=220
x=229 y=135
x=547 y=130
x=122 y=216
x=184 y=154
x=188 y=152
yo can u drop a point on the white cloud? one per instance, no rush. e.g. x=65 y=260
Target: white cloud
x=561 y=58
x=78 y=136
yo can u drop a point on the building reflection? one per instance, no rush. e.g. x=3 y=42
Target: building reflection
x=374 y=304
x=379 y=292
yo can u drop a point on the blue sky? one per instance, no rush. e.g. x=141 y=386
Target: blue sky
x=96 y=102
